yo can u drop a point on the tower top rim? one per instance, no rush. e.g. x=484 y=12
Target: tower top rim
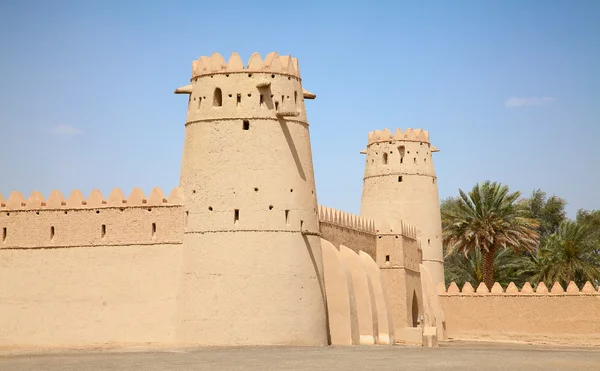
x=412 y=135
x=273 y=63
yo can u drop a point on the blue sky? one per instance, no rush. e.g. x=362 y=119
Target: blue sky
x=509 y=91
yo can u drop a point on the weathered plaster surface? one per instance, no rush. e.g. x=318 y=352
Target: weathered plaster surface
x=385 y=326
x=365 y=303
x=400 y=184
x=89 y=296
x=252 y=265
x=352 y=231
x=341 y=298
x=559 y=317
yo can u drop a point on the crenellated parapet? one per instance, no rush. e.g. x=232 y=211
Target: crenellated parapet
x=273 y=62
x=269 y=89
x=512 y=289
x=411 y=135
x=76 y=200
x=397 y=227
x=77 y=221
x=548 y=314
x=346 y=220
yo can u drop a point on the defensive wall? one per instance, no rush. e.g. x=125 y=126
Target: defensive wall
x=396 y=249
x=89 y=271
x=555 y=316
x=342 y=228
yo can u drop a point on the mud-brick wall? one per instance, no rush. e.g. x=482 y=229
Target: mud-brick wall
x=351 y=238
x=89 y=273
x=560 y=318
x=352 y=231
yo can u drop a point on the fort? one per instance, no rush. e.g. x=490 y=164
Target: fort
x=242 y=253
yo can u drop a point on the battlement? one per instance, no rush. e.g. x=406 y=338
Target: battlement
x=512 y=289
x=346 y=220
x=273 y=63
x=397 y=227
x=412 y=135
x=57 y=222
x=76 y=200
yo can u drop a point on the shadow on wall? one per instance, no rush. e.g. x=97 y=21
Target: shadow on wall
x=288 y=137
x=415 y=310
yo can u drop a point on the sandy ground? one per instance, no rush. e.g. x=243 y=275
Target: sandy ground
x=450 y=356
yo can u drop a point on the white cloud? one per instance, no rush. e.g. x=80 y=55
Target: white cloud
x=516 y=102
x=64 y=130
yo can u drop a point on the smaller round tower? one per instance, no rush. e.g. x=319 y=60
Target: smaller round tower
x=400 y=184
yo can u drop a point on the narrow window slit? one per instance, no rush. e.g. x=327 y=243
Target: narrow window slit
x=276 y=106
x=400 y=178
x=387 y=258
x=239 y=99
x=246 y=125
x=51 y=233
x=4 y=233
x=153 y=230
x=287 y=220
x=236 y=216
x=103 y=230
x=262 y=100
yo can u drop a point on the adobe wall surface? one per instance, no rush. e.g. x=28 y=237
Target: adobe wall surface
x=342 y=312
x=400 y=184
x=89 y=296
x=252 y=264
x=399 y=255
x=352 y=231
x=89 y=272
x=557 y=316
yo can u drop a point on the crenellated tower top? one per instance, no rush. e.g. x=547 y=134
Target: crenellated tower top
x=273 y=62
x=409 y=135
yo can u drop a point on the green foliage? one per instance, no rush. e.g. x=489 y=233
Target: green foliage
x=490 y=217
x=486 y=220
x=508 y=267
x=590 y=222
x=549 y=212
x=567 y=255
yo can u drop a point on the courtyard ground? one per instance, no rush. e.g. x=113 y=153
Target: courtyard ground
x=450 y=356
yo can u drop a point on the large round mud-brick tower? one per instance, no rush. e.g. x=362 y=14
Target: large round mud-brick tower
x=252 y=268
x=400 y=184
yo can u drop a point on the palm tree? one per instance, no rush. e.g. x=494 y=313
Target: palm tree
x=548 y=211
x=488 y=219
x=567 y=255
x=508 y=267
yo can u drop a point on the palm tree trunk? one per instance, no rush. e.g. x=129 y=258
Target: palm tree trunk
x=488 y=266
